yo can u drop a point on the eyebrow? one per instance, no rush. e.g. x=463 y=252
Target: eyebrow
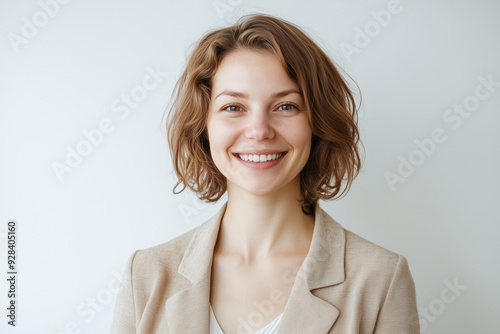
x=245 y=96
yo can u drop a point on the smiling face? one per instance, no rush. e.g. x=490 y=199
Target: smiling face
x=257 y=124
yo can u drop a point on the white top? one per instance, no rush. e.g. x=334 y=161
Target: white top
x=270 y=328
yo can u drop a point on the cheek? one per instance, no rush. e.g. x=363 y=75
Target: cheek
x=299 y=134
x=222 y=135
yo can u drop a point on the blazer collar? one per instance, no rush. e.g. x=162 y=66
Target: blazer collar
x=188 y=310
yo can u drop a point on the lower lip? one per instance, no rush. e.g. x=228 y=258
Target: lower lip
x=261 y=165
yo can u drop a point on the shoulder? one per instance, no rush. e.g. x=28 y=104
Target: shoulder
x=359 y=249
x=358 y=252
x=363 y=259
x=163 y=262
x=166 y=255
x=154 y=270
x=370 y=262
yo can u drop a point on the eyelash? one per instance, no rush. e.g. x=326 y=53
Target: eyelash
x=281 y=105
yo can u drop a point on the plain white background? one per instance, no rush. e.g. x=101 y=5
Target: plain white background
x=67 y=68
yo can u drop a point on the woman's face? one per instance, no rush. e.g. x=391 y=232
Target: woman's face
x=258 y=128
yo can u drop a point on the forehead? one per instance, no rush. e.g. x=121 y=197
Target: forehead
x=250 y=71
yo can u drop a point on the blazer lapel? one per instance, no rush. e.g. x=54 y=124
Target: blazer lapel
x=187 y=311
x=306 y=313
x=323 y=266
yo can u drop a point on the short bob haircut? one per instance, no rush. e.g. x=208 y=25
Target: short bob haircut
x=334 y=160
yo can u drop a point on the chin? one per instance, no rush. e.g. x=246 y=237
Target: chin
x=259 y=188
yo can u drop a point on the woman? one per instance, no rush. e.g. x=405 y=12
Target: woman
x=262 y=113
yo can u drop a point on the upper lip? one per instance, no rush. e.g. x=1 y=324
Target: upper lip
x=259 y=152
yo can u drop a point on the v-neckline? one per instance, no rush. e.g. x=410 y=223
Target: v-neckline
x=257 y=332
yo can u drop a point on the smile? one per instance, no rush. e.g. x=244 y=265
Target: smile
x=260 y=157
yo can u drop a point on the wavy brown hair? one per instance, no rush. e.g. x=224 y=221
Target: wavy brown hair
x=334 y=160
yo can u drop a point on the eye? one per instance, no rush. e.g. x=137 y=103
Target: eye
x=232 y=108
x=287 y=107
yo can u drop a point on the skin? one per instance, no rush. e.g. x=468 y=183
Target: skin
x=264 y=235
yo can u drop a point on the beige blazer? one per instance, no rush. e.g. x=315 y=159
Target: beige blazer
x=345 y=285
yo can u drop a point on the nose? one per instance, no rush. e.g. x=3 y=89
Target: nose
x=259 y=126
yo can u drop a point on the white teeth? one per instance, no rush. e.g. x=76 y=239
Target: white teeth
x=259 y=158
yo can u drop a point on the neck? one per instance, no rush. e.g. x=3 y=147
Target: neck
x=260 y=227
